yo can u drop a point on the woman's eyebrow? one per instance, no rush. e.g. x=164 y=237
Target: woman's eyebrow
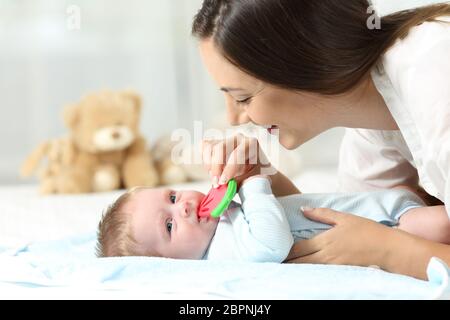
x=226 y=89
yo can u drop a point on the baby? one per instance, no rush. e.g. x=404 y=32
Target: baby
x=263 y=228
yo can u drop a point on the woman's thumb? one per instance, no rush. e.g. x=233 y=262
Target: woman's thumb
x=322 y=215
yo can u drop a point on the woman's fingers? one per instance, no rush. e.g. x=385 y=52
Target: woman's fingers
x=230 y=158
x=207 y=154
x=312 y=259
x=214 y=157
x=218 y=159
x=236 y=163
x=323 y=215
x=218 y=154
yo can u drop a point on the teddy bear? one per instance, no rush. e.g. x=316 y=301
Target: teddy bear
x=175 y=161
x=104 y=150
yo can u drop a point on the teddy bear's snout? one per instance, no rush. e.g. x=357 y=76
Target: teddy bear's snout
x=115 y=135
x=113 y=138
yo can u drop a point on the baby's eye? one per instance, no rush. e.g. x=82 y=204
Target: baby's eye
x=169 y=226
x=173 y=198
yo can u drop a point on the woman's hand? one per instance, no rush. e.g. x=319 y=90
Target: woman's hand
x=352 y=240
x=358 y=241
x=362 y=242
x=241 y=157
x=238 y=157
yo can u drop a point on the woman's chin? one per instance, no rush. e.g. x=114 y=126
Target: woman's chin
x=290 y=143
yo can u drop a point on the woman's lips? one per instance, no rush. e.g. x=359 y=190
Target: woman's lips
x=273 y=129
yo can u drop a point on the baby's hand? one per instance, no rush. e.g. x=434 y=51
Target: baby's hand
x=261 y=176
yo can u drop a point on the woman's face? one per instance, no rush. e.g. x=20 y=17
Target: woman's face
x=298 y=116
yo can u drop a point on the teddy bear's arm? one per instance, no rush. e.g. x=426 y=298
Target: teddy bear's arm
x=138 y=168
x=32 y=161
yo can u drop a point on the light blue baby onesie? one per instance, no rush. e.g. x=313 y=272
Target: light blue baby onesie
x=264 y=228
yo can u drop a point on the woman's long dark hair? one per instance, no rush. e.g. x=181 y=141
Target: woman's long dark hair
x=322 y=46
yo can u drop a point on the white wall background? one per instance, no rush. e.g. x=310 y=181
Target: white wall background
x=140 y=44
x=389 y=6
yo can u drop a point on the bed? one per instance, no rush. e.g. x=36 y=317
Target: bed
x=47 y=251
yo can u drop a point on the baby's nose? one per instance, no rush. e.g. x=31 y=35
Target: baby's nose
x=184 y=209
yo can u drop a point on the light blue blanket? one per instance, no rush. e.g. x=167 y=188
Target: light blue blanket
x=66 y=266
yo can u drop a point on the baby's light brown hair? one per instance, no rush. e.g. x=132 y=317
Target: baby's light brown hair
x=114 y=236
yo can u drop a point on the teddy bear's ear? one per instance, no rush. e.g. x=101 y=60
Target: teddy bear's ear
x=135 y=98
x=71 y=115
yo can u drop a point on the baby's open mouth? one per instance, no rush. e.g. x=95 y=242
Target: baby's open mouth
x=199 y=218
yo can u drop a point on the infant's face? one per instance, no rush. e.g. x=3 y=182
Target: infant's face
x=166 y=221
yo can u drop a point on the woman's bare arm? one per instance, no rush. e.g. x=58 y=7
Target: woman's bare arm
x=282 y=185
x=358 y=241
x=409 y=255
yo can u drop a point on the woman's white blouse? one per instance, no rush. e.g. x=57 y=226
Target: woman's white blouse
x=414 y=79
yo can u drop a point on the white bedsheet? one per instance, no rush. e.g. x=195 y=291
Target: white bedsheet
x=35 y=264
x=59 y=269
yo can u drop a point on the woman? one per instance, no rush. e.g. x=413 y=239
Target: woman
x=303 y=67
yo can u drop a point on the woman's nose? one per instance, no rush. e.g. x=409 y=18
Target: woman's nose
x=236 y=117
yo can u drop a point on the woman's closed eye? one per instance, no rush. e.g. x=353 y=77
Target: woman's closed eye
x=245 y=101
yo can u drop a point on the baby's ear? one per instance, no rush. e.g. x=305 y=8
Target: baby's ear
x=135 y=98
x=71 y=115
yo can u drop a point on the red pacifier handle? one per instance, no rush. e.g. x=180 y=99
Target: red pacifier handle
x=211 y=201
